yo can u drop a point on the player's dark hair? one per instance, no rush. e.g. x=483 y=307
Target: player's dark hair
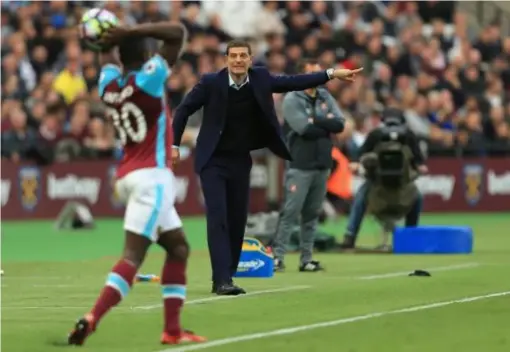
x=302 y=64
x=133 y=52
x=238 y=43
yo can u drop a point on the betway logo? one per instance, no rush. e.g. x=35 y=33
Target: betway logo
x=6 y=191
x=441 y=185
x=498 y=185
x=72 y=187
x=251 y=265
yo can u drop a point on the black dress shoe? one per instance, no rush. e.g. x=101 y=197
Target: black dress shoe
x=215 y=286
x=240 y=289
x=227 y=289
x=348 y=243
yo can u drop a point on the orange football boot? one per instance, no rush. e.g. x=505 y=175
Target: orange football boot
x=186 y=336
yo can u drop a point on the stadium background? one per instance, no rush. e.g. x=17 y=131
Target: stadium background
x=446 y=67
x=445 y=64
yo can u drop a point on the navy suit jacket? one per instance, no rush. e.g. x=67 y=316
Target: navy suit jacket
x=211 y=93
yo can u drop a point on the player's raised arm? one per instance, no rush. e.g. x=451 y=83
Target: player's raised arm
x=173 y=35
x=109 y=56
x=110 y=67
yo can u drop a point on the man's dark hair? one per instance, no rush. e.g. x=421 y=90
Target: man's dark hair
x=302 y=64
x=238 y=43
x=133 y=52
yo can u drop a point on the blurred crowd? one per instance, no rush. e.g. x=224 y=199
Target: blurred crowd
x=451 y=81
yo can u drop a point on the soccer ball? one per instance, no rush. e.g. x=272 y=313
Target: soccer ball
x=93 y=24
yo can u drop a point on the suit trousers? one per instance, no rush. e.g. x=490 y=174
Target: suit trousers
x=225 y=184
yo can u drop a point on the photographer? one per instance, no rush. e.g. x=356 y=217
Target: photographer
x=311 y=116
x=393 y=124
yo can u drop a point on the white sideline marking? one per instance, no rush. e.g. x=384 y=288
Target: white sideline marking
x=220 y=298
x=215 y=298
x=405 y=273
x=193 y=301
x=201 y=285
x=37 y=307
x=296 y=329
x=48 y=286
x=141 y=285
x=45 y=278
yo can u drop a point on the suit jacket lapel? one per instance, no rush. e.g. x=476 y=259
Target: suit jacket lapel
x=221 y=95
x=223 y=81
x=255 y=85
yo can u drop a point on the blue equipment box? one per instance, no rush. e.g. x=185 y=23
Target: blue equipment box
x=433 y=240
x=256 y=260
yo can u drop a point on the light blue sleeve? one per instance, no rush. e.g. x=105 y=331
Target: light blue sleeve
x=108 y=74
x=153 y=75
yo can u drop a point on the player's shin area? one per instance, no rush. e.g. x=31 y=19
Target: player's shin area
x=120 y=280
x=173 y=278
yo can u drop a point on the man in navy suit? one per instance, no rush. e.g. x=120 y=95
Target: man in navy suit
x=238 y=117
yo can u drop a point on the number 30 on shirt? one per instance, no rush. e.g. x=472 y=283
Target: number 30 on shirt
x=129 y=121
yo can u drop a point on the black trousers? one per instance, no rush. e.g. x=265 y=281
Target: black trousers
x=226 y=186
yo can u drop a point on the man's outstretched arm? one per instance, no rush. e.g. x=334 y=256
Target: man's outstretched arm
x=289 y=83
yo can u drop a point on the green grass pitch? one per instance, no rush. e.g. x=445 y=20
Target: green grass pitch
x=51 y=278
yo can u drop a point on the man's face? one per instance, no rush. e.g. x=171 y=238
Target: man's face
x=238 y=60
x=312 y=68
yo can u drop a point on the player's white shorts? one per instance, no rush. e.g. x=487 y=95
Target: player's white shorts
x=149 y=195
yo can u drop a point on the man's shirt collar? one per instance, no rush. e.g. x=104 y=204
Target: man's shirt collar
x=233 y=84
